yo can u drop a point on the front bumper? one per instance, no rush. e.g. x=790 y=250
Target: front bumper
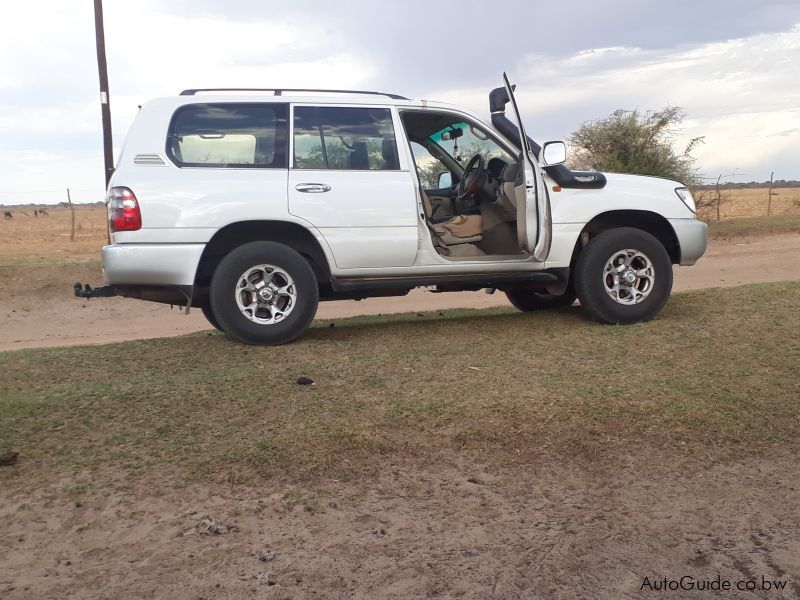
x=692 y=238
x=151 y=264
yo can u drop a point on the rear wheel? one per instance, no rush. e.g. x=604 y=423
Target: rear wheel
x=264 y=293
x=528 y=300
x=623 y=276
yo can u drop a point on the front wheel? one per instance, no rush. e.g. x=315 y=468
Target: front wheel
x=623 y=276
x=264 y=293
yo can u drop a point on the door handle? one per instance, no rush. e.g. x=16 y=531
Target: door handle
x=312 y=188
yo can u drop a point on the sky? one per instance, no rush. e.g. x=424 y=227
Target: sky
x=734 y=66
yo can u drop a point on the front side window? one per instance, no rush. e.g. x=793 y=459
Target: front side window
x=229 y=135
x=344 y=138
x=444 y=142
x=429 y=168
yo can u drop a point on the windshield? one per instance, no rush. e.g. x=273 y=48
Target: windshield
x=462 y=141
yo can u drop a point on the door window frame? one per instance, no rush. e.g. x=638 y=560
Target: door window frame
x=396 y=125
x=490 y=131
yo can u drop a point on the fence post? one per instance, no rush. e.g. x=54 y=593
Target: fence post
x=769 y=192
x=72 y=210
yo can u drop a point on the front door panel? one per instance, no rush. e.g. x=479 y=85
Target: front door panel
x=369 y=219
x=349 y=181
x=534 y=223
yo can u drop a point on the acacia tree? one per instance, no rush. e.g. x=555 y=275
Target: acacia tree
x=629 y=141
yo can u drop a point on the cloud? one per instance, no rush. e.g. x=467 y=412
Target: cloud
x=738 y=93
x=49 y=87
x=786 y=132
x=42 y=176
x=193 y=50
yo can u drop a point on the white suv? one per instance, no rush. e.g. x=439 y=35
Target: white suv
x=254 y=205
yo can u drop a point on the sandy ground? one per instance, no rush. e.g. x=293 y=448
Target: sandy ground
x=38 y=310
x=591 y=529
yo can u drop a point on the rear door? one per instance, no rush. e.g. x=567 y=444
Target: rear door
x=534 y=223
x=349 y=181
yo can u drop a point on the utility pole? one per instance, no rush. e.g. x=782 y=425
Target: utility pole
x=105 y=100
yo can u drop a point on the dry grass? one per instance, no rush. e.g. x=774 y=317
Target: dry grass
x=717 y=373
x=753 y=226
x=26 y=239
x=751 y=203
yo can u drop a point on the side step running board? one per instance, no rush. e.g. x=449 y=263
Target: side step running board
x=475 y=281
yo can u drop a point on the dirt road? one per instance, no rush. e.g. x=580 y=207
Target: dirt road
x=37 y=309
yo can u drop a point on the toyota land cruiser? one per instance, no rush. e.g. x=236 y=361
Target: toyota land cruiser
x=254 y=205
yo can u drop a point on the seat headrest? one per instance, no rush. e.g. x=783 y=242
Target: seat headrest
x=358 y=157
x=389 y=151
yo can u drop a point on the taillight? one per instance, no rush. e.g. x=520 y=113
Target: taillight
x=123 y=210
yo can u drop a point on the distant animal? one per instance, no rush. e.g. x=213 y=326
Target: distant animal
x=35 y=213
x=7 y=215
x=43 y=212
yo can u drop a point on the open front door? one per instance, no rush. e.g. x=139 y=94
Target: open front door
x=534 y=224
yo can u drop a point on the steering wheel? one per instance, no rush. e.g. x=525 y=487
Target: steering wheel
x=473 y=178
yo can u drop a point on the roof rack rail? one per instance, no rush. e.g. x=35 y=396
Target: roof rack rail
x=279 y=91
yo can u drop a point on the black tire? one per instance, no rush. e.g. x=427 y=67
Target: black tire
x=590 y=281
x=223 y=294
x=528 y=300
x=206 y=308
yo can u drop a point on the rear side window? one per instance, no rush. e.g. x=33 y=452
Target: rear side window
x=229 y=135
x=345 y=138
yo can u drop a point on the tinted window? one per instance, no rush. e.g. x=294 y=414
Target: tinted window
x=229 y=135
x=328 y=137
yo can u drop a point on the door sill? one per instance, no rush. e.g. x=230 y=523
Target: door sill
x=458 y=281
x=499 y=258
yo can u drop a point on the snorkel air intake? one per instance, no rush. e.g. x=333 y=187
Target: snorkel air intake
x=498 y=98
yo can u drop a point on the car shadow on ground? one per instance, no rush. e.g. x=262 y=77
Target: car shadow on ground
x=372 y=324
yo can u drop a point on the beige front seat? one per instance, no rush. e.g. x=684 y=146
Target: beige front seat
x=454 y=230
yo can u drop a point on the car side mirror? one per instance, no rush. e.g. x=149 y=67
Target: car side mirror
x=554 y=153
x=445 y=180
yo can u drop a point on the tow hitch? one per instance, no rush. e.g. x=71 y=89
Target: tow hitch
x=87 y=291
x=174 y=295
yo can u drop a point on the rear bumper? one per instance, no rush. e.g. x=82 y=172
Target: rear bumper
x=692 y=238
x=151 y=264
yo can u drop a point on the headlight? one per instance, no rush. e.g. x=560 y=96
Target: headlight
x=686 y=197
